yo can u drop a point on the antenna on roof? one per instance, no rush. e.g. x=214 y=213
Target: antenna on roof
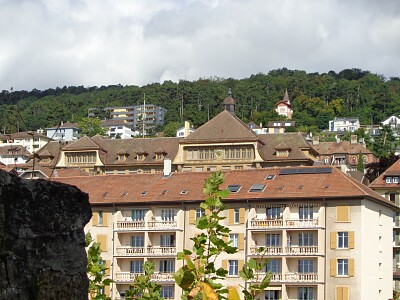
x=143 y=113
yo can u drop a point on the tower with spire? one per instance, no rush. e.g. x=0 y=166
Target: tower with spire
x=230 y=103
x=283 y=107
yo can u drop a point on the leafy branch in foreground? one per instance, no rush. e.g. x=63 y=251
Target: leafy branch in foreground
x=96 y=270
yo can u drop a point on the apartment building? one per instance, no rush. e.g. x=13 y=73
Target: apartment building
x=326 y=235
x=344 y=124
x=141 y=117
x=387 y=185
x=32 y=141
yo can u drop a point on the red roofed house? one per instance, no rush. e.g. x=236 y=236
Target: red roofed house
x=283 y=107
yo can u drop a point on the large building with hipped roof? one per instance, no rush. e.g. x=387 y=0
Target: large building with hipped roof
x=326 y=235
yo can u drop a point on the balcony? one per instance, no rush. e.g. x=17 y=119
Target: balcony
x=301 y=277
x=266 y=251
x=121 y=277
x=153 y=250
x=301 y=222
x=276 y=277
x=301 y=250
x=135 y=225
x=272 y=223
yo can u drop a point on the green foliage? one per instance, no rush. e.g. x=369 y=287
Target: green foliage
x=360 y=163
x=96 y=269
x=91 y=126
x=171 y=128
x=143 y=288
x=385 y=144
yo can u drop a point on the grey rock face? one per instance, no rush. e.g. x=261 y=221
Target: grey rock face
x=42 y=242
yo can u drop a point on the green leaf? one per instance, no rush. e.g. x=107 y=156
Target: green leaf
x=184 y=278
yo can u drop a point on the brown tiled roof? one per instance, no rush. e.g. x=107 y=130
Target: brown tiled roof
x=52 y=148
x=229 y=100
x=24 y=134
x=380 y=181
x=122 y=151
x=344 y=147
x=50 y=172
x=112 y=122
x=224 y=127
x=294 y=140
x=14 y=150
x=65 y=125
x=282 y=146
x=84 y=143
x=128 y=189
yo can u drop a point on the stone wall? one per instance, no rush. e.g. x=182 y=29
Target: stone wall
x=42 y=242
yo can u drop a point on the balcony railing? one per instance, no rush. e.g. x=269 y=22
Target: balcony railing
x=301 y=222
x=267 y=250
x=276 y=277
x=301 y=277
x=301 y=250
x=127 y=276
x=133 y=251
x=132 y=225
x=266 y=223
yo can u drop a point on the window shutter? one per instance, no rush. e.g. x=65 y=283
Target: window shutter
x=241 y=215
x=192 y=216
x=226 y=239
x=351 y=240
x=102 y=240
x=333 y=239
x=225 y=264
x=342 y=213
x=231 y=217
x=208 y=212
x=108 y=266
x=107 y=290
x=241 y=241
x=240 y=265
x=95 y=218
x=339 y=293
x=345 y=292
x=333 y=267
x=105 y=218
x=351 y=267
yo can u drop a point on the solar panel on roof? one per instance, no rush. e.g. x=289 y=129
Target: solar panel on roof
x=291 y=171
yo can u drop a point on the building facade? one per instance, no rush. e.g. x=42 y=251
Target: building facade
x=387 y=185
x=344 y=124
x=284 y=107
x=30 y=140
x=65 y=132
x=326 y=235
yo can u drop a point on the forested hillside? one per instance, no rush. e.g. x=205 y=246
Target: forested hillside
x=316 y=98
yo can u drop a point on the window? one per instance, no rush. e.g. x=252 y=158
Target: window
x=138 y=214
x=395 y=179
x=100 y=220
x=167 y=291
x=167 y=240
x=234 y=239
x=306 y=239
x=234 y=188
x=167 y=215
x=306 y=266
x=342 y=267
x=80 y=157
x=200 y=212
x=274 y=212
x=137 y=241
x=257 y=188
x=273 y=265
x=305 y=212
x=305 y=293
x=167 y=266
x=236 y=215
x=388 y=179
x=233 y=268
x=270 y=177
x=272 y=295
x=273 y=240
x=136 y=266
x=343 y=240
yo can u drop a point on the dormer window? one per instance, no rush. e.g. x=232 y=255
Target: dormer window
x=282 y=150
x=140 y=154
x=395 y=179
x=122 y=155
x=388 y=179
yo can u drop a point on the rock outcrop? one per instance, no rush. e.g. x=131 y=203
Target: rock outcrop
x=42 y=242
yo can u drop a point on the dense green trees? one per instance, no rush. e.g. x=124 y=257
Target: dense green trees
x=316 y=98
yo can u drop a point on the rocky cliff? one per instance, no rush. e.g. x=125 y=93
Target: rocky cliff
x=42 y=242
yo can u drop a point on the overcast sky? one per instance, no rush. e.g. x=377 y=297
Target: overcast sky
x=50 y=43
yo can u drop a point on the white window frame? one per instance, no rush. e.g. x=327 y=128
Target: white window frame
x=234 y=239
x=233 y=269
x=343 y=240
x=236 y=215
x=342 y=267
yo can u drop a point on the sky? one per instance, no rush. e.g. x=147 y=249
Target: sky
x=55 y=43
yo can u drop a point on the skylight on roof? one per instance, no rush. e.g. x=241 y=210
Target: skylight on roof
x=164 y=192
x=124 y=193
x=270 y=177
x=257 y=188
x=144 y=193
x=234 y=188
x=183 y=192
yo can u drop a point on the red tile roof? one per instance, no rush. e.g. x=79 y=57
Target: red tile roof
x=128 y=189
x=380 y=182
x=327 y=148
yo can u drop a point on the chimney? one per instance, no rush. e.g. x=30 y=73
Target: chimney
x=167 y=167
x=187 y=127
x=315 y=140
x=353 y=139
